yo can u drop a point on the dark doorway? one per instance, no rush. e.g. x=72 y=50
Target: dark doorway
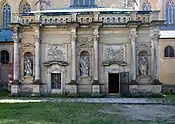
x=113 y=83
x=56 y=80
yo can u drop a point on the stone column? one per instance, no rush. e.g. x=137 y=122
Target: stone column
x=73 y=42
x=73 y=84
x=16 y=59
x=96 y=54
x=133 y=57
x=155 y=39
x=37 y=56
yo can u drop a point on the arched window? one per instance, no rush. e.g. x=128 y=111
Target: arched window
x=6 y=11
x=169 y=51
x=147 y=6
x=24 y=8
x=5 y=56
x=170 y=12
x=28 y=64
x=84 y=63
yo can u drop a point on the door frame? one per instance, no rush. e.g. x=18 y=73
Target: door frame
x=118 y=82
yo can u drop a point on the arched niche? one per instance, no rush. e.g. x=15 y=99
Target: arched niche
x=84 y=63
x=28 y=64
x=143 y=63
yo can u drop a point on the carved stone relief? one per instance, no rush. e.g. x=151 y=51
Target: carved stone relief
x=113 y=53
x=27 y=45
x=56 y=53
x=85 y=43
x=143 y=46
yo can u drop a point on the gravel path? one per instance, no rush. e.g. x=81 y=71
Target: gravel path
x=89 y=100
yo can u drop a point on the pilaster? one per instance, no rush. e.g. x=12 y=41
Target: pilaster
x=36 y=27
x=16 y=38
x=73 y=27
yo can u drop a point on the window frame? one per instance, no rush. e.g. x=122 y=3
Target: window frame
x=168 y=50
x=6 y=15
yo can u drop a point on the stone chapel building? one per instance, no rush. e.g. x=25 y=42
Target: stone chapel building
x=86 y=46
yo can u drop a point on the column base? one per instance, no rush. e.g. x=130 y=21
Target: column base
x=133 y=82
x=95 y=82
x=72 y=87
x=96 y=89
x=16 y=82
x=156 y=82
x=73 y=82
x=14 y=90
x=37 y=82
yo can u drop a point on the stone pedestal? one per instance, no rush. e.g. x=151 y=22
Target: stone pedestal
x=36 y=90
x=96 y=89
x=144 y=80
x=14 y=90
x=145 y=90
x=73 y=89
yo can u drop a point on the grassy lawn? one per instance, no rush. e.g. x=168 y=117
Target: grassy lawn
x=59 y=113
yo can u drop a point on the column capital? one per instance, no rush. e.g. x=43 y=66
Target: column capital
x=37 y=38
x=155 y=37
x=133 y=37
x=73 y=34
x=96 y=33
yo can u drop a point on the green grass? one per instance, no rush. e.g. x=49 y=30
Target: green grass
x=170 y=96
x=60 y=113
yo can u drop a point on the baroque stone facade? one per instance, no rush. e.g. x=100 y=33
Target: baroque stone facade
x=76 y=52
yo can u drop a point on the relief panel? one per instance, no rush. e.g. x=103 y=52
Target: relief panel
x=113 y=53
x=56 y=53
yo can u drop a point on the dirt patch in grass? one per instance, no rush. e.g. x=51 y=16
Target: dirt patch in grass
x=161 y=114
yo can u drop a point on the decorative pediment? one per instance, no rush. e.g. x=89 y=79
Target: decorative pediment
x=143 y=45
x=27 y=45
x=108 y=63
x=50 y=63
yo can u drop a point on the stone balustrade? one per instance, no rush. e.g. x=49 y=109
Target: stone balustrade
x=86 y=18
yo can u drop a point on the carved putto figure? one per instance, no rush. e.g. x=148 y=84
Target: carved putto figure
x=143 y=66
x=28 y=67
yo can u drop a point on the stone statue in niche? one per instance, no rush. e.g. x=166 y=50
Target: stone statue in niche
x=84 y=65
x=28 y=67
x=44 y=4
x=143 y=66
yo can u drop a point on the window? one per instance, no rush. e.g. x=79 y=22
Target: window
x=55 y=80
x=83 y=2
x=6 y=10
x=5 y=56
x=24 y=8
x=170 y=12
x=169 y=51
